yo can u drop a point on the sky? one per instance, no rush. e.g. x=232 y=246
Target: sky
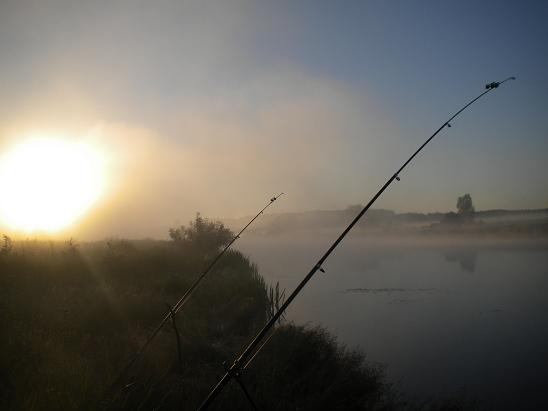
x=216 y=106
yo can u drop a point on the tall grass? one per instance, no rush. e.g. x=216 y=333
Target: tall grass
x=73 y=313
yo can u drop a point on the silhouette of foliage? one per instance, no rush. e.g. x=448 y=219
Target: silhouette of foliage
x=275 y=299
x=7 y=245
x=304 y=368
x=203 y=235
x=465 y=213
x=465 y=207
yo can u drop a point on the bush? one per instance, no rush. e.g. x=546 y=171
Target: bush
x=202 y=235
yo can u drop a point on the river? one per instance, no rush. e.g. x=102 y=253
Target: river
x=446 y=318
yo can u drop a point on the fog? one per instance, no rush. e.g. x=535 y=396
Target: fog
x=446 y=316
x=215 y=108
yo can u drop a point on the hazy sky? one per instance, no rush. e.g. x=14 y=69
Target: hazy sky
x=215 y=106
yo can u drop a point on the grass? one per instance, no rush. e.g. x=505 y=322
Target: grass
x=73 y=314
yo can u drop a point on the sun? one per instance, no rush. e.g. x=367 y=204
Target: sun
x=46 y=184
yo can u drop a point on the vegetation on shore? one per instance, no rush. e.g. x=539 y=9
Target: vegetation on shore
x=73 y=314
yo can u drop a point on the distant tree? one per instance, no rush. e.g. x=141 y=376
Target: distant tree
x=202 y=234
x=465 y=208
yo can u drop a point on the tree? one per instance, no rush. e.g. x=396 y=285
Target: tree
x=202 y=234
x=465 y=207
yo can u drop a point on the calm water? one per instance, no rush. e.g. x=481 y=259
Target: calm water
x=445 y=319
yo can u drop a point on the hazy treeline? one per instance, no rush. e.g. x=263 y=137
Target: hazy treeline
x=488 y=222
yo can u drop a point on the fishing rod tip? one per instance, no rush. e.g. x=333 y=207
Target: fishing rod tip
x=276 y=197
x=495 y=84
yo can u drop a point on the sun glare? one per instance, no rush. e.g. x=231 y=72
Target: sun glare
x=46 y=184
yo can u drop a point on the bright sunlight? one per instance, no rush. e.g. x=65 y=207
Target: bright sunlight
x=46 y=184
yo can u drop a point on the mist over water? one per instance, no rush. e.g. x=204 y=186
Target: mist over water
x=447 y=318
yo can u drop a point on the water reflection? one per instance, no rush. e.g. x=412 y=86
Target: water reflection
x=465 y=257
x=410 y=307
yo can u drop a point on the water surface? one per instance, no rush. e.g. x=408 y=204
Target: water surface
x=446 y=318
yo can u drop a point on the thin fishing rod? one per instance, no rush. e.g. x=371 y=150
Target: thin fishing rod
x=189 y=292
x=179 y=304
x=237 y=365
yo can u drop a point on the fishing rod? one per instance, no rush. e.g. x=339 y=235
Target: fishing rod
x=181 y=302
x=236 y=367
